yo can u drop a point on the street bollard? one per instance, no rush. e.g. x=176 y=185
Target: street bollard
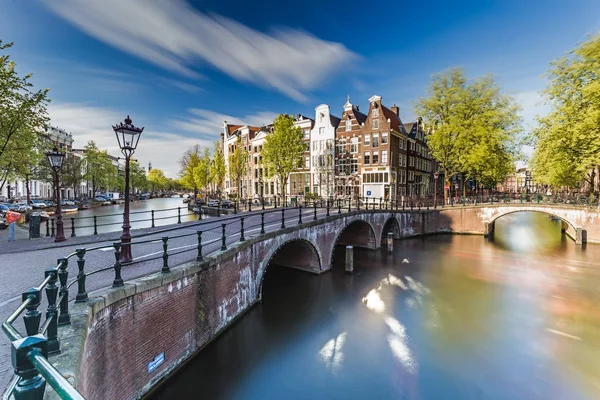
x=390 y=242
x=315 y=208
x=33 y=316
x=118 y=281
x=283 y=218
x=242 y=238
x=152 y=212
x=199 y=257
x=95 y=225
x=178 y=215
x=299 y=214
x=380 y=202
x=219 y=208
x=235 y=207
x=81 y=292
x=339 y=206
x=165 y=268
x=262 y=223
x=327 y=215
x=262 y=202
x=275 y=201
x=72 y=227
x=250 y=205
x=200 y=212
x=52 y=221
x=52 y=310
x=63 y=274
x=223 y=238
x=349 y=205
x=47 y=228
x=349 y=259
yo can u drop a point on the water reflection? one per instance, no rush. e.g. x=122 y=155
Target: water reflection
x=465 y=318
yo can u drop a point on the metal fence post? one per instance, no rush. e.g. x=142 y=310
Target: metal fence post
x=262 y=223
x=63 y=274
x=242 y=238
x=152 y=213
x=315 y=212
x=223 y=238
x=282 y=218
x=47 y=228
x=52 y=221
x=358 y=203
x=52 y=310
x=250 y=205
x=349 y=204
x=262 y=201
x=339 y=206
x=72 y=227
x=199 y=212
x=165 y=256
x=178 y=215
x=327 y=208
x=299 y=214
x=118 y=281
x=81 y=293
x=33 y=316
x=199 y=256
x=380 y=202
x=95 y=225
x=235 y=207
x=275 y=201
x=31 y=384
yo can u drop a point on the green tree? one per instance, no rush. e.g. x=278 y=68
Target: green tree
x=474 y=127
x=99 y=170
x=202 y=171
x=72 y=173
x=22 y=117
x=157 y=179
x=138 y=178
x=238 y=164
x=567 y=140
x=218 y=168
x=189 y=161
x=283 y=149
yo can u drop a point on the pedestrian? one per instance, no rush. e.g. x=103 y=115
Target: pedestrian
x=12 y=218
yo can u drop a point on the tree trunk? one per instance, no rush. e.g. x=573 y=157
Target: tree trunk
x=27 y=188
x=446 y=192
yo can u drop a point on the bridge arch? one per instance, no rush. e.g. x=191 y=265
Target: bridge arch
x=390 y=225
x=295 y=253
x=358 y=233
x=567 y=226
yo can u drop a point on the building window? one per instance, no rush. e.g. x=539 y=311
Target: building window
x=375 y=112
x=321 y=130
x=341 y=146
x=306 y=162
x=348 y=124
x=367 y=141
x=375 y=157
x=375 y=124
x=329 y=144
x=375 y=140
x=384 y=138
x=354 y=165
x=354 y=145
x=306 y=133
x=384 y=157
x=367 y=157
x=314 y=145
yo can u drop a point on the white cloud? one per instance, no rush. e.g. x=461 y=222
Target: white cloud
x=162 y=147
x=173 y=35
x=95 y=123
x=210 y=122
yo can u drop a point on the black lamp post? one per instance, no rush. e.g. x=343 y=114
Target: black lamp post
x=55 y=159
x=128 y=137
x=436 y=175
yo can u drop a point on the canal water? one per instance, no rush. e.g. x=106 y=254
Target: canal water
x=110 y=218
x=443 y=317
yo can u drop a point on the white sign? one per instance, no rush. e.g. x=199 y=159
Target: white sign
x=159 y=359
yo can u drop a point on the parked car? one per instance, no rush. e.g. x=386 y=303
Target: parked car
x=67 y=203
x=22 y=207
x=226 y=204
x=38 y=204
x=100 y=199
x=4 y=209
x=213 y=203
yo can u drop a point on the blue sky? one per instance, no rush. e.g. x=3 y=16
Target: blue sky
x=180 y=68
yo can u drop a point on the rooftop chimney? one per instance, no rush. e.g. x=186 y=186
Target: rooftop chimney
x=396 y=110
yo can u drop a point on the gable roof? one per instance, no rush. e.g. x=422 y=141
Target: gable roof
x=335 y=121
x=395 y=122
x=360 y=117
x=232 y=128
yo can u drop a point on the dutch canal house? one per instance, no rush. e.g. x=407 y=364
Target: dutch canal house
x=371 y=155
x=378 y=156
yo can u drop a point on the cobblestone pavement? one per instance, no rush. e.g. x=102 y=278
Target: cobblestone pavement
x=24 y=268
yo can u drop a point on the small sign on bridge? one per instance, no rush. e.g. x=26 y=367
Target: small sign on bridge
x=159 y=359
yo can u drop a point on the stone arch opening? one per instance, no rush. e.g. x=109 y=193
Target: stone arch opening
x=391 y=225
x=567 y=226
x=358 y=233
x=298 y=254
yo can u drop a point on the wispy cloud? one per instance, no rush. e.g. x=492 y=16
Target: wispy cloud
x=207 y=122
x=173 y=35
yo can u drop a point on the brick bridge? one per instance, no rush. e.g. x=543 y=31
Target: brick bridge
x=118 y=333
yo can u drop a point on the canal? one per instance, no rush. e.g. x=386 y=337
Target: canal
x=443 y=317
x=110 y=218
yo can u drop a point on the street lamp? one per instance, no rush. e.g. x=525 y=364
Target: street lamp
x=55 y=159
x=436 y=175
x=128 y=137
